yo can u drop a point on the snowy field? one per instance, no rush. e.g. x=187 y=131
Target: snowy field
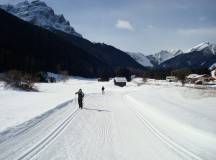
x=152 y=122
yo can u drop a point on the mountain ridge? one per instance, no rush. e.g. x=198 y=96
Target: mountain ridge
x=164 y=58
x=27 y=47
x=200 y=56
x=37 y=12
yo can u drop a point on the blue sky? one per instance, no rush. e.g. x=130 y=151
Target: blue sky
x=146 y=26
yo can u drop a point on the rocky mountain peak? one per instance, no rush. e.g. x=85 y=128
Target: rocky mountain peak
x=205 y=46
x=39 y=13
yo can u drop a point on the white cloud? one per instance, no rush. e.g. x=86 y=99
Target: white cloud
x=124 y=24
x=198 y=31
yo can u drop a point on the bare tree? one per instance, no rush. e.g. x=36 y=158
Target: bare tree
x=64 y=75
x=20 y=80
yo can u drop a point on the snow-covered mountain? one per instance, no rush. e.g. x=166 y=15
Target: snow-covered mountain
x=200 y=56
x=141 y=59
x=205 y=46
x=38 y=13
x=163 y=56
x=77 y=55
x=155 y=59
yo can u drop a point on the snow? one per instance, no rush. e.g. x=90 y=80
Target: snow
x=17 y=107
x=175 y=52
x=38 y=13
x=199 y=47
x=159 y=57
x=212 y=67
x=191 y=76
x=57 y=77
x=135 y=122
x=213 y=73
x=187 y=122
x=165 y=55
x=203 y=46
x=120 y=79
x=141 y=59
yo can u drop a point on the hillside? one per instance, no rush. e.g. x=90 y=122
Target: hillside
x=200 y=56
x=110 y=55
x=28 y=47
x=40 y=14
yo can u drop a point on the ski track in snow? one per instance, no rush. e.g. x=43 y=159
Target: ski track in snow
x=110 y=127
x=35 y=137
x=47 y=140
x=174 y=146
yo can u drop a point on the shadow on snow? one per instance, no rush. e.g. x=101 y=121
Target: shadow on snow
x=99 y=110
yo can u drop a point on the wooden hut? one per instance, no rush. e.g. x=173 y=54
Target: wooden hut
x=120 y=81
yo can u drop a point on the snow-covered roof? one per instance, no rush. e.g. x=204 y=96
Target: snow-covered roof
x=171 y=77
x=191 y=76
x=213 y=73
x=213 y=66
x=120 y=79
x=49 y=74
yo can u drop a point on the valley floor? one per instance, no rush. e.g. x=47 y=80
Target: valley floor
x=145 y=122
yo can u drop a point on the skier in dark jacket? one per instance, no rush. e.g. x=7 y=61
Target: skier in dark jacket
x=80 y=98
x=103 y=90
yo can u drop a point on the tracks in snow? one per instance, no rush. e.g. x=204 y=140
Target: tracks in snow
x=32 y=137
x=95 y=134
x=174 y=146
x=48 y=139
x=98 y=144
x=26 y=126
x=88 y=137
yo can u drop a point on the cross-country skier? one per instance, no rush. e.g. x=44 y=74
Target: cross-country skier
x=80 y=98
x=103 y=90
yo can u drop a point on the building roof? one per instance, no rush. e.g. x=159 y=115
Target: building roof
x=50 y=74
x=120 y=79
x=213 y=73
x=213 y=66
x=194 y=76
x=171 y=77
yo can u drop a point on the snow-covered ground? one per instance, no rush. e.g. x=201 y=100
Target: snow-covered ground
x=135 y=122
x=17 y=107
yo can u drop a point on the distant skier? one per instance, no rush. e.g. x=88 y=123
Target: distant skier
x=103 y=90
x=80 y=98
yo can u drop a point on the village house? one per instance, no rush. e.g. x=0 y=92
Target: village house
x=51 y=77
x=120 y=81
x=171 y=79
x=213 y=71
x=197 y=79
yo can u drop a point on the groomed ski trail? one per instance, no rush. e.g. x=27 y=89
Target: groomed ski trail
x=166 y=140
x=108 y=128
